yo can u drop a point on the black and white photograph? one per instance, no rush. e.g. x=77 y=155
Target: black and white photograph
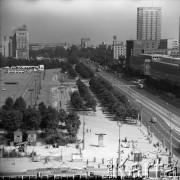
x=90 y=89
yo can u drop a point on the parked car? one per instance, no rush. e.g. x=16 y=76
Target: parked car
x=140 y=86
x=153 y=120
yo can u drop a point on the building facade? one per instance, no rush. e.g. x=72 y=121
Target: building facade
x=5 y=47
x=179 y=36
x=137 y=47
x=169 y=44
x=149 y=23
x=19 y=43
x=85 y=42
x=119 y=49
x=22 y=43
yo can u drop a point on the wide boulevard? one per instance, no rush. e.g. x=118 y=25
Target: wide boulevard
x=150 y=106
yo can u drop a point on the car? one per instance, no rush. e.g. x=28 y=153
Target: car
x=153 y=120
x=3 y=89
x=140 y=86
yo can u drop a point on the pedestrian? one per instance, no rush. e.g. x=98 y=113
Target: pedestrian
x=125 y=140
x=46 y=160
x=166 y=149
x=90 y=130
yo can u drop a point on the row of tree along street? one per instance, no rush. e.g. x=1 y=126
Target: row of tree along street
x=84 y=71
x=17 y=116
x=77 y=100
x=104 y=56
x=111 y=99
x=90 y=102
x=67 y=67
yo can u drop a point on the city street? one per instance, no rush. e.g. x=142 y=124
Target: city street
x=150 y=109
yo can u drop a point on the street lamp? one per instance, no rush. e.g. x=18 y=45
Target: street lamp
x=141 y=109
x=84 y=111
x=119 y=123
x=170 y=120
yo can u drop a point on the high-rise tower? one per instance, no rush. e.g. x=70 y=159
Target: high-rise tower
x=19 y=43
x=149 y=23
x=179 y=36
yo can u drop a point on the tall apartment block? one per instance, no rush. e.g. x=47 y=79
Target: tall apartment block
x=179 y=36
x=19 y=43
x=5 y=46
x=149 y=23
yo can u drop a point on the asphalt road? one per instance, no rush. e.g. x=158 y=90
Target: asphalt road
x=151 y=107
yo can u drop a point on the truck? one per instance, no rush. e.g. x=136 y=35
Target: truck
x=140 y=86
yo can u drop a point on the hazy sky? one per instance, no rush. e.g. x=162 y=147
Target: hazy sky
x=56 y=21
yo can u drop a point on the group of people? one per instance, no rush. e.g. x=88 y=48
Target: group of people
x=88 y=130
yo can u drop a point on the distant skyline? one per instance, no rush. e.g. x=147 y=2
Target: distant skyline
x=57 y=21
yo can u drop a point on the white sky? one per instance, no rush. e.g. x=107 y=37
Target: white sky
x=69 y=20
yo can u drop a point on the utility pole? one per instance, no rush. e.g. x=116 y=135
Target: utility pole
x=31 y=90
x=83 y=111
x=35 y=91
x=105 y=58
x=170 y=120
x=83 y=132
x=39 y=81
x=119 y=149
x=141 y=115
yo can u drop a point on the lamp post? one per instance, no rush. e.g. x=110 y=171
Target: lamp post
x=83 y=132
x=31 y=90
x=119 y=123
x=141 y=109
x=170 y=146
x=82 y=110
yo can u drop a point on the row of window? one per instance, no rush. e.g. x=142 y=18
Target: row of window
x=21 y=46
x=22 y=33
x=22 y=39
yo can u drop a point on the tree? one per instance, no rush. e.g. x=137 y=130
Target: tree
x=42 y=108
x=72 y=123
x=77 y=101
x=62 y=115
x=84 y=92
x=121 y=112
x=31 y=119
x=50 y=120
x=8 y=104
x=20 y=104
x=11 y=120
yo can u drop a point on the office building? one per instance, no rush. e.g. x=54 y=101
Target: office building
x=22 y=43
x=19 y=43
x=179 y=36
x=149 y=23
x=137 y=47
x=5 y=46
x=119 y=48
x=0 y=41
x=85 y=42
x=169 y=44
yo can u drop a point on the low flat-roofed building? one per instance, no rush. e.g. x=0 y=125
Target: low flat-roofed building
x=32 y=136
x=18 y=136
